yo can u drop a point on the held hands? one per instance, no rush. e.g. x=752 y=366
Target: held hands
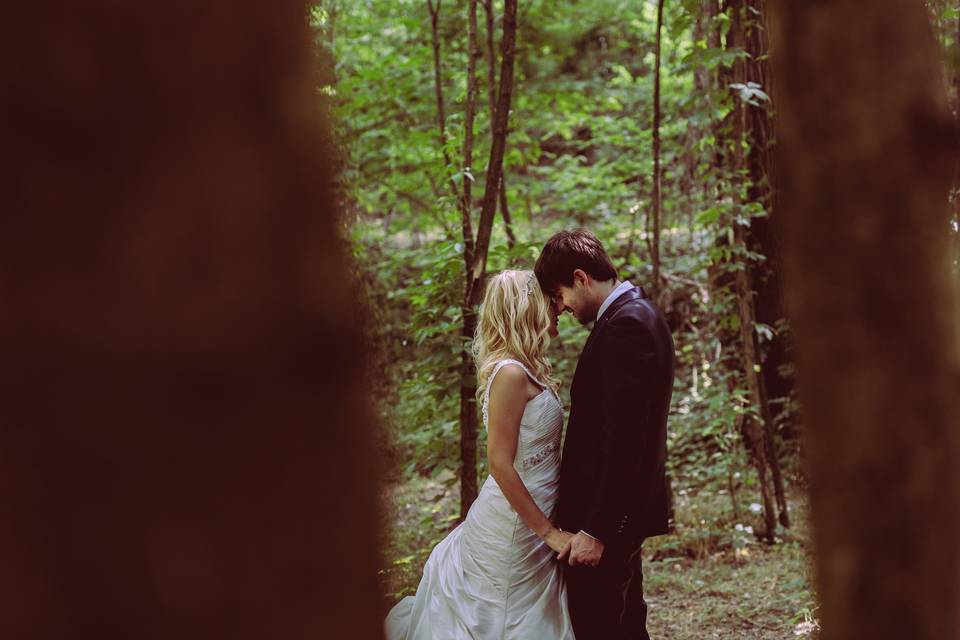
x=557 y=539
x=582 y=549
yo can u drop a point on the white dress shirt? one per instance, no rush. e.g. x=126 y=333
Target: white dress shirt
x=618 y=291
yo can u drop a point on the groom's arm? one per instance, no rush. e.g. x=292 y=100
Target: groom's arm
x=628 y=446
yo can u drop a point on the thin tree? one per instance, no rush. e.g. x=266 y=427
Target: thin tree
x=760 y=236
x=866 y=147
x=466 y=202
x=468 y=385
x=497 y=147
x=755 y=425
x=475 y=249
x=491 y=96
x=475 y=275
x=657 y=204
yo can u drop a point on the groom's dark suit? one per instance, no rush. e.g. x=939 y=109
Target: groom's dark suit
x=612 y=477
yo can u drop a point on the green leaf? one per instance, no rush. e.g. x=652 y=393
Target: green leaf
x=708 y=216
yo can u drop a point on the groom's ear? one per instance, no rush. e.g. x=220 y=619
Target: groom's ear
x=581 y=277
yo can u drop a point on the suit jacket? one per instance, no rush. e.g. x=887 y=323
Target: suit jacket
x=612 y=475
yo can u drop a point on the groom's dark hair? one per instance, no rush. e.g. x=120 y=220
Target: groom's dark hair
x=570 y=250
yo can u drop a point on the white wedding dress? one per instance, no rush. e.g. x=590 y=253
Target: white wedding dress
x=492 y=578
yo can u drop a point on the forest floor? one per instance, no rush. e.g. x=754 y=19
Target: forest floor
x=710 y=579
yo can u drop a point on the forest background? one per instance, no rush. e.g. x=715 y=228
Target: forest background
x=650 y=123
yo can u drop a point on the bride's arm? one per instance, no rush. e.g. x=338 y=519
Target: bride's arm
x=508 y=398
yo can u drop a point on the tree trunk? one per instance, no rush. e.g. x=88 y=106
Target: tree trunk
x=864 y=204
x=185 y=443
x=477 y=270
x=468 y=382
x=756 y=435
x=491 y=61
x=764 y=276
x=732 y=488
x=719 y=77
x=505 y=212
x=491 y=90
x=756 y=429
x=466 y=172
x=657 y=203
x=495 y=165
x=468 y=413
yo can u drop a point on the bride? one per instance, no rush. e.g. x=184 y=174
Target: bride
x=496 y=576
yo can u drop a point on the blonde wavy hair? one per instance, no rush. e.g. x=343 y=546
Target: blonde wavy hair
x=514 y=323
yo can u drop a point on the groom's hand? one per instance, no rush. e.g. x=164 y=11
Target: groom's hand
x=582 y=549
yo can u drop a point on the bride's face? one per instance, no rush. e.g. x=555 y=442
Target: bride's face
x=554 y=314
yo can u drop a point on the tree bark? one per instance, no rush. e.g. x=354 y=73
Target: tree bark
x=755 y=433
x=491 y=60
x=469 y=488
x=491 y=90
x=505 y=213
x=864 y=205
x=495 y=165
x=657 y=204
x=475 y=274
x=761 y=237
x=466 y=200
x=185 y=443
x=756 y=429
x=468 y=384
x=722 y=77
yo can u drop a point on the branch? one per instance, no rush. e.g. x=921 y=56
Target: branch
x=491 y=89
x=466 y=202
x=438 y=87
x=495 y=166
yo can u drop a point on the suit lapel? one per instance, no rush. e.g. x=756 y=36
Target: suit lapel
x=590 y=339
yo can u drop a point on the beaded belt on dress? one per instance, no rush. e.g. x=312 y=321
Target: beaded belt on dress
x=540 y=456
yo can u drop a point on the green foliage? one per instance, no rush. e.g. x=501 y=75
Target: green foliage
x=578 y=154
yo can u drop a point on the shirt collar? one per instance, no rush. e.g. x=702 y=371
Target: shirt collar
x=618 y=291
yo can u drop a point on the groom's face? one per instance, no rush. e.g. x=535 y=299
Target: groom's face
x=576 y=299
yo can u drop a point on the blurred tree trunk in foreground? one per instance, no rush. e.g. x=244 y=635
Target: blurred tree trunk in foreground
x=866 y=148
x=183 y=439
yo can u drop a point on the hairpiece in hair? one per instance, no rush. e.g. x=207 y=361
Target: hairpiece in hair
x=528 y=288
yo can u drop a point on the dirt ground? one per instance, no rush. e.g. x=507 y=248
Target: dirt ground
x=711 y=579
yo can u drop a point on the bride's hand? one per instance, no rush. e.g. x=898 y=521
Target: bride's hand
x=557 y=539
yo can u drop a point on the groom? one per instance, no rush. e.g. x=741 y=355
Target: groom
x=613 y=490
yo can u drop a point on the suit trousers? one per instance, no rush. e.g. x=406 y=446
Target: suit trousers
x=606 y=602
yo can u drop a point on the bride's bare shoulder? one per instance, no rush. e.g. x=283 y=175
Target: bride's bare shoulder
x=512 y=380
